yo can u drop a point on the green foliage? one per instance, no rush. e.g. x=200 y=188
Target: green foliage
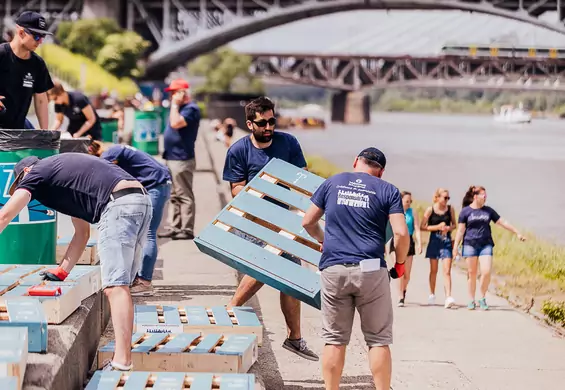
x=203 y=109
x=121 y=52
x=225 y=70
x=555 y=312
x=86 y=36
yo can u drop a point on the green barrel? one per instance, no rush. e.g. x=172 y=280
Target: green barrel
x=146 y=131
x=31 y=237
x=109 y=127
x=164 y=118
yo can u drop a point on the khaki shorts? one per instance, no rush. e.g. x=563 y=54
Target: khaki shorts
x=345 y=289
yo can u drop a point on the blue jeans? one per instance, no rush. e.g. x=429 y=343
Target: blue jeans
x=477 y=250
x=122 y=233
x=159 y=196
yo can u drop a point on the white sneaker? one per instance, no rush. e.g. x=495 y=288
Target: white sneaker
x=449 y=302
x=431 y=299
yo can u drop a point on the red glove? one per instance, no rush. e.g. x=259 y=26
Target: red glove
x=397 y=271
x=55 y=274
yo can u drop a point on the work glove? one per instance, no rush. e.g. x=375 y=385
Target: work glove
x=54 y=274
x=397 y=271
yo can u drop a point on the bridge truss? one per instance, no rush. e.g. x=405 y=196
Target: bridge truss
x=367 y=72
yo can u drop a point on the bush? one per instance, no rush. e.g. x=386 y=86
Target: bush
x=121 y=53
x=86 y=36
x=555 y=312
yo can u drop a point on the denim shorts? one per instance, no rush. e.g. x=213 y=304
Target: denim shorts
x=477 y=250
x=122 y=233
x=439 y=247
x=262 y=244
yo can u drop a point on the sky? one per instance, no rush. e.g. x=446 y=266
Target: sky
x=375 y=32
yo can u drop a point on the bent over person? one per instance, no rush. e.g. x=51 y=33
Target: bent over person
x=91 y=190
x=354 y=274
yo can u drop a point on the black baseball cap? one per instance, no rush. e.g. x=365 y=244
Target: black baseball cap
x=375 y=155
x=19 y=171
x=34 y=22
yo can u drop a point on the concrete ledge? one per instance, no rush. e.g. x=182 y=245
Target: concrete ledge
x=72 y=348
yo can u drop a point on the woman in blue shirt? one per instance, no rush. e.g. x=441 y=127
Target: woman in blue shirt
x=413 y=223
x=474 y=230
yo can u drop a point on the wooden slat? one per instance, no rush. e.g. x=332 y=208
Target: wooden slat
x=137 y=380
x=13 y=354
x=26 y=313
x=150 y=342
x=281 y=194
x=236 y=344
x=197 y=315
x=9 y=383
x=207 y=343
x=202 y=382
x=292 y=175
x=179 y=343
x=221 y=316
x=245 y=316
x=142 y=380
x=170 y=381
x=171 y=315
x=233 y=382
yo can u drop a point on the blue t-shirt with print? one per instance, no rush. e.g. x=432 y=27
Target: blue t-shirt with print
x=179 y=143
x=139 y=164
x=477 y=225
x=357 y=208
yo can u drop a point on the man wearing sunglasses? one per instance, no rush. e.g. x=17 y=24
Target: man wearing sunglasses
x=244 y=160
x=23 y=74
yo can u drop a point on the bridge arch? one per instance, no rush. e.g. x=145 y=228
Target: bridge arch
x=166 y=59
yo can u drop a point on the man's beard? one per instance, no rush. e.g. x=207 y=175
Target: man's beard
x=260 y=137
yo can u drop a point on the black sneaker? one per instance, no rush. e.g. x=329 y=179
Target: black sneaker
x=300 y=348
x=401 y=302
x=167 y=234
x=183 y=236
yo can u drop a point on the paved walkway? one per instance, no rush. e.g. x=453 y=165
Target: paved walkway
x=434 y=348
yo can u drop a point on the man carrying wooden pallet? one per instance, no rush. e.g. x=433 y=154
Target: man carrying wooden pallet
x=245 y=159
x=91 y=190
x=357 y=206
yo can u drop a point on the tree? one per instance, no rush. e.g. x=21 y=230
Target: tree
x=86 y=36
x=225 y=70
x=121 y=53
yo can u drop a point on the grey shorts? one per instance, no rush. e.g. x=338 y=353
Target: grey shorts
x=122 y=232
x=262 y=244
x=345 y=289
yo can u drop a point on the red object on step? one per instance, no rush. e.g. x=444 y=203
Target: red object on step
x=44 y=291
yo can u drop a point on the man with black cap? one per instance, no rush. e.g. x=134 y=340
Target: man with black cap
x=23 y=74
x=357 y=206
x=91 y=190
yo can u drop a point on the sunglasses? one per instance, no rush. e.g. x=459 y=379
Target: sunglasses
x=446 y=197
x=265 y=122
x=37 y=37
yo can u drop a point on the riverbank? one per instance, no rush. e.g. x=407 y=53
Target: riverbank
x=530 y=275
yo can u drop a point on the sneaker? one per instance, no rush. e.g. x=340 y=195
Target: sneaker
x=401 y=302
x=183 y=236
x=431 y=299
x=483 y=303
x=472 y=305
x=167 y=234
x=300 y=348
x=109 y=365
x=139 y=289
x=449 y=302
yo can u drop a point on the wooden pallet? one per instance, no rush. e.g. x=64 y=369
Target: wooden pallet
x=192 y=352
x=28 y=313
x=88 y=257
x=13 y=354
x=9 y=383
x=139 y=380
x=190 y=319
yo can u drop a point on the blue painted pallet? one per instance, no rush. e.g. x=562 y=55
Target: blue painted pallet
x=9 y=383
x=280 y=230
x=232 y=353
x=88 y=257
x=26 y=312
x=141 y=380
x=13 y=354
x=190 y=319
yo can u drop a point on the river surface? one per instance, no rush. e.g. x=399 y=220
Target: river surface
x=521 y=166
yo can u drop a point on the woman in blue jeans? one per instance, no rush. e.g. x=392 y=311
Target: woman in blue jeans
x=156 y=179
x=474 y=230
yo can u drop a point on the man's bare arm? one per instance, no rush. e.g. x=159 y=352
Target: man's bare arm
x=401 y=237
x=15 y=204
x=237 y=187
x=41 y=104
x=77 y=245
x=310 y=222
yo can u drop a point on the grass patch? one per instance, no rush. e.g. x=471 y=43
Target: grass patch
x=555 y=312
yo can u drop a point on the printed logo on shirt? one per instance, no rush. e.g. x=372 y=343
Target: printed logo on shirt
x=357 y=184
x=353 y=199
x=478 y=217
x=28 y=81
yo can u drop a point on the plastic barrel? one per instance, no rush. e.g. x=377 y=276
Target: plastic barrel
x=31 y=237
x=164 y=118
x=109 y=127
x=146 y=131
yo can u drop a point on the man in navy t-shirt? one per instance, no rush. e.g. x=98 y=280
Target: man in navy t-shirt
x=244 y=159
x=91 y=190
x=180 y=138
x=357 y=206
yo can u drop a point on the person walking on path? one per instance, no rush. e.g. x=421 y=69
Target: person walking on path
x=23 y=74
x=354 y=275
x=413 y=223
x=475 y=233
x=439 y=220
x=91 y=190
x=83 y=119
x=156 y=179
x=244 y=160
x=180 y=137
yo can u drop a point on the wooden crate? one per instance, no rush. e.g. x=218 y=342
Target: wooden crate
x=9 y=383
x=28 y=313
x=280 y=228
x=88 y=257
x=192 y=352
x=141 y=380
x=13 y=355
x=190 y=319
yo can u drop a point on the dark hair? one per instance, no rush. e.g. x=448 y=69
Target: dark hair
x=470 y=194
x=260 y=105
x=404 y=193
x=371 y=163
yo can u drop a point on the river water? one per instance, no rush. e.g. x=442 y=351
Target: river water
x=521 y=166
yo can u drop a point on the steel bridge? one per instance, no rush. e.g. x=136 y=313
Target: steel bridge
x=358 y=73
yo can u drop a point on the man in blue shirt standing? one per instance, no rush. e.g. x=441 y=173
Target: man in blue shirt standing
x=180 y=137
x=244 y=159
x=357 y=206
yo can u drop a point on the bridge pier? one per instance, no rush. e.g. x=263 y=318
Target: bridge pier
x=352 y=108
